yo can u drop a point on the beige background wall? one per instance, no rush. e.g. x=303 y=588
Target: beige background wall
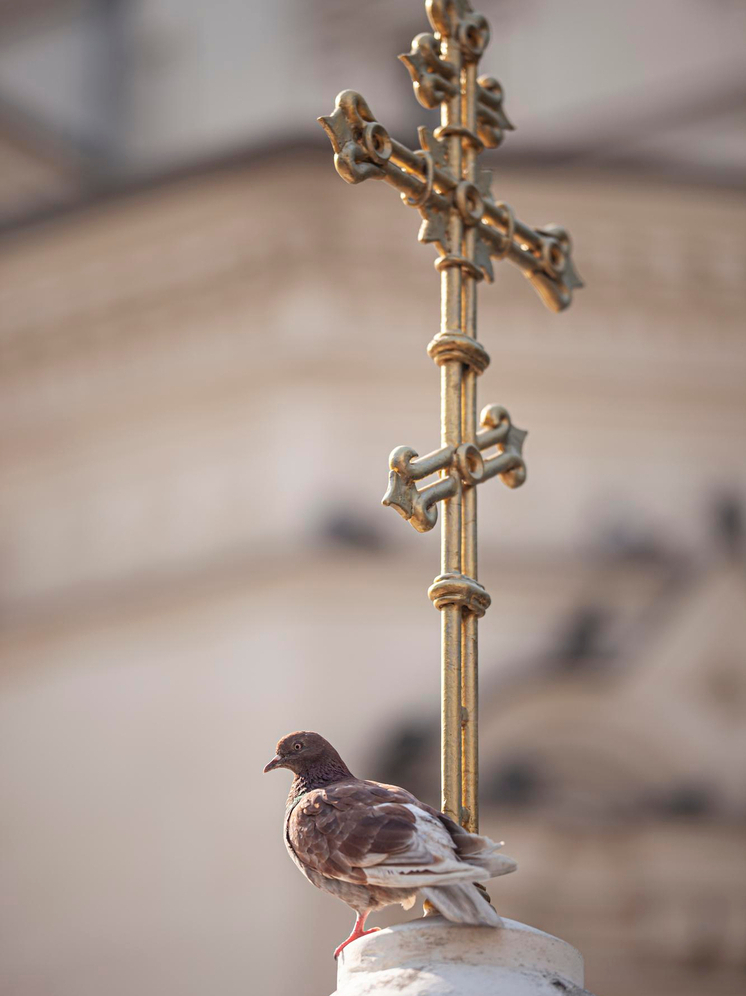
x=200 y=386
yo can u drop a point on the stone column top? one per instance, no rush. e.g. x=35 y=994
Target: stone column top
x=433 y=957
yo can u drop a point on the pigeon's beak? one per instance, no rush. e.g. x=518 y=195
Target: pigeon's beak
x=276 y=762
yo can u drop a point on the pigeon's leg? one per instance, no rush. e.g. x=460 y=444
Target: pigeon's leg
x=357 y=931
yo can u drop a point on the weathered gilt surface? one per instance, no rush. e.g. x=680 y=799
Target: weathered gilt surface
x=470 y=229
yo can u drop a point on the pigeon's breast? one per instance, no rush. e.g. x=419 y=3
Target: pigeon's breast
x=288 y=841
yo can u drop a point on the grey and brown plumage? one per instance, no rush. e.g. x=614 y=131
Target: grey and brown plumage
x=372 y=845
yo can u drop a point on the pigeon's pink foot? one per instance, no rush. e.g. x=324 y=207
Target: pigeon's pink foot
x=357 y=931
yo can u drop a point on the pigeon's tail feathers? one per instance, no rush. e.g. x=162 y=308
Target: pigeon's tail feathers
x=499 y=864
x=462 y=903
x=419 y=876
x=483 y=853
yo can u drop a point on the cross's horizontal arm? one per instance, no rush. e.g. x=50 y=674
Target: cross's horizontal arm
x=462 y=466
x=364 y=150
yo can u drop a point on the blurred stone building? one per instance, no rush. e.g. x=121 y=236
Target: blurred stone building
x=203 y=371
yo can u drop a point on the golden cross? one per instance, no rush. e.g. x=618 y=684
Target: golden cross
x=470 y=229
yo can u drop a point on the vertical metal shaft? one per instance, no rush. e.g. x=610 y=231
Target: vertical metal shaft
x=442 y=181
x=469 y=643
x=450 y=401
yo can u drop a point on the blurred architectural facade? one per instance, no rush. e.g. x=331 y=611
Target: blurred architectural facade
x=99 y=93
x=197 y=403
x=197 y=406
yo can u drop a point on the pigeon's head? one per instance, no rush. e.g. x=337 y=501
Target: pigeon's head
x=301 y=751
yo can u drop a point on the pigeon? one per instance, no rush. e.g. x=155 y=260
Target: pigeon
x=372 y=845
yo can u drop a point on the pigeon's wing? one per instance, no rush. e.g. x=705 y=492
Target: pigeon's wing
x=372 y=834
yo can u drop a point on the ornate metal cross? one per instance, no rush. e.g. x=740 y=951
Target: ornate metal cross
x=470 y=229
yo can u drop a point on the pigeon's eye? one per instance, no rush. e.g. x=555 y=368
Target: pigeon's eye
x=298 y=746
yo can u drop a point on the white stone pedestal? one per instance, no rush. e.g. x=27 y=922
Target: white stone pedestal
x=433 y=957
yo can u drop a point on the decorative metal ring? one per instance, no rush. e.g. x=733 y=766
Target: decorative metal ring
x=424 y=196
x=495 y=417
x=552 y=255
x=446 y=262
x=377 y=142
x=400 y=460
x=508 y=237
x=469 y=203
x=469 y=463
x=446 y=131
x=448 y=346
x=457 y=589
x=473 y=36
